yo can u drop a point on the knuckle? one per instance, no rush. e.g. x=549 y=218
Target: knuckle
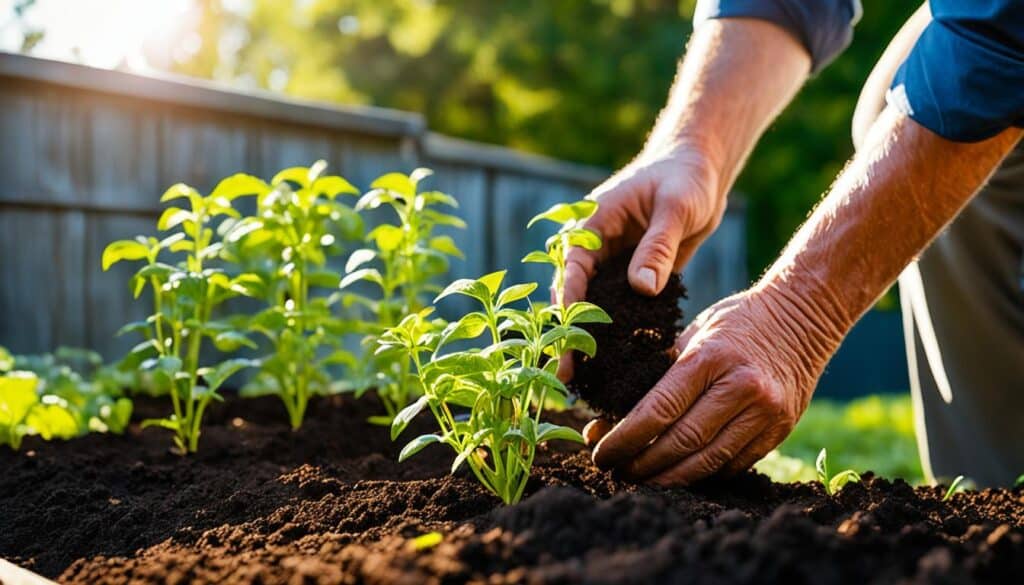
x=685 y=438
x=659 y=248
x=663 y=406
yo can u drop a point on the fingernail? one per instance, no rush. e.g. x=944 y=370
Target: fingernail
x=648 y=278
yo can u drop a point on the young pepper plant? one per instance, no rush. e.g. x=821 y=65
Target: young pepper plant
x=504 y=383
x=24 y=412
x=833 y=483
x=403 y=261
x=299 y=225
x=185 y=296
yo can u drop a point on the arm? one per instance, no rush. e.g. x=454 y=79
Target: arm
x=672 y=196
x=748 y=365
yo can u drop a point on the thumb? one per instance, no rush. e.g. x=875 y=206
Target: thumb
x=655 y=255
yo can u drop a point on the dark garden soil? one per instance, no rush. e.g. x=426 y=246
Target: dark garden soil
x=642 y=331
x=329 y=504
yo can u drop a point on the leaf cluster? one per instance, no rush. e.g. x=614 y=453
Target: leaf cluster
x=487 y=400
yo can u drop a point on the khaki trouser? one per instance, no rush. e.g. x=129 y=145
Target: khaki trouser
x=963 y=320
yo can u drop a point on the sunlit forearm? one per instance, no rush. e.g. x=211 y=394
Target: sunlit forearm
x=903 y=187
x=736 y=77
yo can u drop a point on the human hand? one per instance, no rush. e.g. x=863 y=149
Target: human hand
x=745 y=372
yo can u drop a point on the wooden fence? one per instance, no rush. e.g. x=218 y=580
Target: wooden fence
x=85 y=153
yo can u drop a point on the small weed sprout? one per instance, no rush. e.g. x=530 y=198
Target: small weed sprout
x=833 y=483
x=284 y=249
x=502 y=385
x=185 y=295
x=954 y=487
x=403 y=261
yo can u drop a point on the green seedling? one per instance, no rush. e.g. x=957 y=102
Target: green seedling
x=403 y=260
x=299 y=226
x=1020 y=481
x=186 y=294
x=953 y=488
x=488 y=400
x=77 y=380
x=833 y=483
x=24 y=412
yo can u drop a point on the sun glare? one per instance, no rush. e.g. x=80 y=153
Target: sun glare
x=132 y=34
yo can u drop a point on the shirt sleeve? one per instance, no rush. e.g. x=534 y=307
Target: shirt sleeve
x=823 y=27
x=964 y=79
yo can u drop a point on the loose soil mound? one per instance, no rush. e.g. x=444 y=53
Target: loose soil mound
x=260 y=504
x=642 y=331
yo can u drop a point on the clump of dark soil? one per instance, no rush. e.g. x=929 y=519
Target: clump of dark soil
x=329 y=504
x=632 y=351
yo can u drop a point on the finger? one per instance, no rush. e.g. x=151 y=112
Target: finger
x=694 y=431
x=655 y=412
x=580 y=267
x=734 y=438
x=655 y=255
x=595 y=430
x=755 y=451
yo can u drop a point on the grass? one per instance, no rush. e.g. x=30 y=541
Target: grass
x=874 y=433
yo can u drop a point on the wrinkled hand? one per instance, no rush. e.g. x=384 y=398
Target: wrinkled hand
x=666 y=202
x=745 y=372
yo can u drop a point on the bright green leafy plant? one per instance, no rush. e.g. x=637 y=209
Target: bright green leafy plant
x=284 y=251
x=186 y=294
x=78 y=381
x=23 y=412
x=833 y=483
x=488 y=400
x=403 y=261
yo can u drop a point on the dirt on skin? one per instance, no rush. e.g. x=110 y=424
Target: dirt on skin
x=642 y=330
x=329 y=504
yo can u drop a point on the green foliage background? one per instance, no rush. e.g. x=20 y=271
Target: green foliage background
x=576 y=79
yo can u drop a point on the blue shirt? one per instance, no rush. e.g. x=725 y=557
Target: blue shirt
x=964 y=78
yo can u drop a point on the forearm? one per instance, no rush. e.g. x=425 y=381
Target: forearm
x=903 y=187
x=736 y=77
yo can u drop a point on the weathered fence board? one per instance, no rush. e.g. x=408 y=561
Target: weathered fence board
x=86 y=153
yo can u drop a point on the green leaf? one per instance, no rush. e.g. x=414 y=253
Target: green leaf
x=229 y=341
x=123 y=250
x=438 y=218
x=526 y=375
x=446 y=245
x=17 y=397
x=219 y=374
x=416 y=445
x=368 y=274
x=431 y=197
x=584 y=312
x=397 y=183
x=52 y=421
x=580 y=340
x=549 y=432
x=470 y=326
x=332 y=186
x=169 y=423
x=467 y=287
x=419 y=174
x=238 y=185
x=297 y=175
x=173 y=217
x=387 y=237
x=584 y=238
x=515 y=292
x=133 y=326
x=179 y=191
x=841 y=479
x=405 y=416
x=563 y=213
x=493 y=281
x=540 y=258
x=359 y=257
x=461 y=364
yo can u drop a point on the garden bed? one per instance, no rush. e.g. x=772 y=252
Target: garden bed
x=330 y=504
